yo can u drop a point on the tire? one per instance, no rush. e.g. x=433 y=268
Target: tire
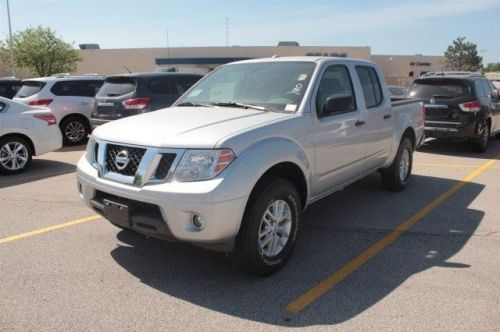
x=481 y=145
x=15 y=155
x=74 y=130
x=251 y=252
x=395 y=178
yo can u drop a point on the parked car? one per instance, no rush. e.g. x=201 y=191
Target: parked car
x=233 y=163
x=131 y=94
x=25 y=131
x=9 y=86
x=459 y=106
x=69 y=97
x=397 y=91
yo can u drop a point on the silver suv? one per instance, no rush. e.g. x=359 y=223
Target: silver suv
x=69 y=97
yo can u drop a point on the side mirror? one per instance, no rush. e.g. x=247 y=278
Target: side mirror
x=494 y=95
x=337 y=104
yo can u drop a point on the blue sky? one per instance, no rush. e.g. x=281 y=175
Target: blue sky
x=389 y=27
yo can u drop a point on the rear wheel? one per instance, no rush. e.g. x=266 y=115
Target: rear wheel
x=74 y=130
x=15 y=155
x=395 y=178
x=481 y=144
x=269 y=228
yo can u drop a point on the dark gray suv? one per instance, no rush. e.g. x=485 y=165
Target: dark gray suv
x=130 y=94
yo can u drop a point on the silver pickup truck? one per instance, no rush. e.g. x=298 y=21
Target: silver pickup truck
x=234 y=162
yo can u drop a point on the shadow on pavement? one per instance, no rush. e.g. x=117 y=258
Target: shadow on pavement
x=459 y=148
x=335 y=230
x=38 y=170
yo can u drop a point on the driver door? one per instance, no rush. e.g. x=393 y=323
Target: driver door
x=340 y=136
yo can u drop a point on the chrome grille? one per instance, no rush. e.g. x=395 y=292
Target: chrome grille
x=134 y=154
x=164 y=166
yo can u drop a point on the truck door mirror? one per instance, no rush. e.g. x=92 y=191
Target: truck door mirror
x=338 y=104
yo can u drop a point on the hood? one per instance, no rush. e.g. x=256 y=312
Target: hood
x=181 y=127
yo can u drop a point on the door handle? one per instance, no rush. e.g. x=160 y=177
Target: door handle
x=387 y=116
x=359 y=123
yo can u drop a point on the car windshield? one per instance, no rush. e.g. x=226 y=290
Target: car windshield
x=438 y=88
x=275 y=86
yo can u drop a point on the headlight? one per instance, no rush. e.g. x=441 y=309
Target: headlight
x=197 y=165
x=91 y=151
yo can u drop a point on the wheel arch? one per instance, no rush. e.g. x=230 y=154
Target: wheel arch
x=30 y=142
x=79 y=116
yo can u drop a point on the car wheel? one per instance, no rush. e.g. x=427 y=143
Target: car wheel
x=15 y=155
x=481 y=145
x=269 y=228
x=74 y=131
x=395 y=178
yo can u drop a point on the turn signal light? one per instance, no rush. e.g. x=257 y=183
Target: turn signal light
x=40 y=102
x=47 y=117
x=136 y=103
x=473 y=106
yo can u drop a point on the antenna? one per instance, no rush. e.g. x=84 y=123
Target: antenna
x=227 y=31
x=127 y=69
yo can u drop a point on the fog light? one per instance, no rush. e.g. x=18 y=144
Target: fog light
x=198 y=221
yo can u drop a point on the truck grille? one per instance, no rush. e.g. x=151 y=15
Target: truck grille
x=120 y=165
x=164 y=166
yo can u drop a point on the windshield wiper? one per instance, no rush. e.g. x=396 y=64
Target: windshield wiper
x=239 y=105
x=188 y=103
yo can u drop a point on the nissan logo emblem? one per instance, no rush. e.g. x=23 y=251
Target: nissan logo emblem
x=122 y=159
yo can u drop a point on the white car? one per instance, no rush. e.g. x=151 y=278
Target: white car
x=25 y=131
x=70 y=98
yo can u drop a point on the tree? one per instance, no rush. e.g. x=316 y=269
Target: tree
x=462 y=56
x=492 y=67
x=40 y=51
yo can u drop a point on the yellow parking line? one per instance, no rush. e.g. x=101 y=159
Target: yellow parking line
x=451 y=165
x=47 y=229
x=307 y=298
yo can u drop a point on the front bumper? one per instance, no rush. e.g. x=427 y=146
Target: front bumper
x=166 y=210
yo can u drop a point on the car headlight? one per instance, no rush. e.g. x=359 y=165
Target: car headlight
x=91 y=151
x=198 y=165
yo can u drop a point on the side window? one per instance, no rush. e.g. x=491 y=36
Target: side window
x=486 y=88
x=162 y=86
x=2 y=107
x=335 y=81
x=481 y=93
x=370 y=83
x=62 y=89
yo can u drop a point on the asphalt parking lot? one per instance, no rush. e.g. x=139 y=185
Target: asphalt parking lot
x=424 y=259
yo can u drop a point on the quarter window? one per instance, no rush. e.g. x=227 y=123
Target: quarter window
x=372 y=91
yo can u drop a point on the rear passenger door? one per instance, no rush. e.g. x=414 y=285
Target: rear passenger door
x=75 y=96
x=378 y=117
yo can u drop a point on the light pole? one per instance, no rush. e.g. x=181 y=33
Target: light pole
x=12 y=69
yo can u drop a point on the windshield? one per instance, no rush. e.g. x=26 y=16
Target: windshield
x=438 y=88
x=29 y=88
x=268 y=85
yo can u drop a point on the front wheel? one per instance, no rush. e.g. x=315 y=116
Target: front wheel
x=269 y=228
x=15 y=155
x=395 y=178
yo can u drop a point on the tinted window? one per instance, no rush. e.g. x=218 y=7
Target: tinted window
x=29 y=88
x=162 y=86
x=117 y=86
x=335 y=81
x=480 y=91
x=372 y=91
x=9 y=89
x=438 y=88
x=184 y=83
x=486 y=87
x=84 y=88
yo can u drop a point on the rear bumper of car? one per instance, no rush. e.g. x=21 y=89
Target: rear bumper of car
x=96 y=122
x=47 y=140
x=449 y=129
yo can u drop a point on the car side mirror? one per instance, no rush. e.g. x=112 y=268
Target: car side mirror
x=494 y=95
x=337 y=104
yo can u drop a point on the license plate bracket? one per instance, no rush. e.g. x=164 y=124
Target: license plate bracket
x=117 y=213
